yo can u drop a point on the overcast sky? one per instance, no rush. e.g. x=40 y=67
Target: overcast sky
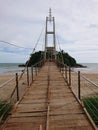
x=22 y=21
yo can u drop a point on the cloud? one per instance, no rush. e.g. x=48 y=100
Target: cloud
x=21 y=23
x=12 y=57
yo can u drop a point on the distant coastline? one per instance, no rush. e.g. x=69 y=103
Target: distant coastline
x=12 y=68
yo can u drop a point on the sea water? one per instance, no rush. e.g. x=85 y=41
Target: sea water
x=90 y=68
x=10 y=68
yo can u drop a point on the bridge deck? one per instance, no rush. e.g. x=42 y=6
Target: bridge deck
x=48 y=104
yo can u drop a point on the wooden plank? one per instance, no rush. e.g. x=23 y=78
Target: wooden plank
x=29 y=114
x=34 y=120
x=24 y=126
x=72 y=128
x=64 y=112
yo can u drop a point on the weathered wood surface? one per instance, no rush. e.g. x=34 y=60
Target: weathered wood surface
x=65 y=112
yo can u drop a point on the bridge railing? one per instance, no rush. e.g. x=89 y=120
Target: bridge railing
x=78 y=82
x=87 y=92
x=12 y=90
x=65 y=70
x=82 y=86
x=33 y=71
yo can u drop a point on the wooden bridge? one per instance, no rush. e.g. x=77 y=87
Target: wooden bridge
x=48 y=104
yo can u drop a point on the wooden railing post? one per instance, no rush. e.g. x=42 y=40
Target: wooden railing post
x=36 y=70
x=65 y=72
x=79 y=91
x=17 y=89
x=27 y=76
x=69 y=76
x=32 y=73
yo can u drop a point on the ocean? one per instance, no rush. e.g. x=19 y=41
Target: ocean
x=90 y=68
x=12 y=68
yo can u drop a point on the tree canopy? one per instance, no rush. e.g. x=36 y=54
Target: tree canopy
x=66 y=58
x=61 y=56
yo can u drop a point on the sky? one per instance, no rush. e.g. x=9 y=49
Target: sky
x=22 y=23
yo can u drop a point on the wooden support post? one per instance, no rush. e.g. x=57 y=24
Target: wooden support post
x=65 y=72
x=36 y=70
x=42 y=63
x=17 y=89
x=27 y=76
x=79 y=92
x=32 y=73
x=40 y=127
x=69 y=76
x=61 y=70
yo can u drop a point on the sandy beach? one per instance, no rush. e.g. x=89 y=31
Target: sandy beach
x=87 y=89
x=4 y=78
x=92 y=76
x=6 y=90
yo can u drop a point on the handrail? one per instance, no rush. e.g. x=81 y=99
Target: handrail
x=79 y=75
x=32 y=66
x=17 y=81
x=87 y=79
x=66 y=71
x=5 y=83
x=94 y=84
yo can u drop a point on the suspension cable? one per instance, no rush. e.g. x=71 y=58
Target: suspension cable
x=60 y=48
x=38 y=40
x=32 y=52
x=9 y=43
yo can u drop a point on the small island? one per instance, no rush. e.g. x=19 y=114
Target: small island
x=62 y=56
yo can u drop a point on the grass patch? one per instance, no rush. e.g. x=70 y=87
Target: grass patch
x=91 y=105
x=5 y=109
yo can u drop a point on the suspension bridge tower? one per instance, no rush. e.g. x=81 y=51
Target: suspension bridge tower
x=50 y=42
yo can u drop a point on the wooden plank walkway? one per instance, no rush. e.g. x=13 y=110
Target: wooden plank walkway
x=48 y=104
